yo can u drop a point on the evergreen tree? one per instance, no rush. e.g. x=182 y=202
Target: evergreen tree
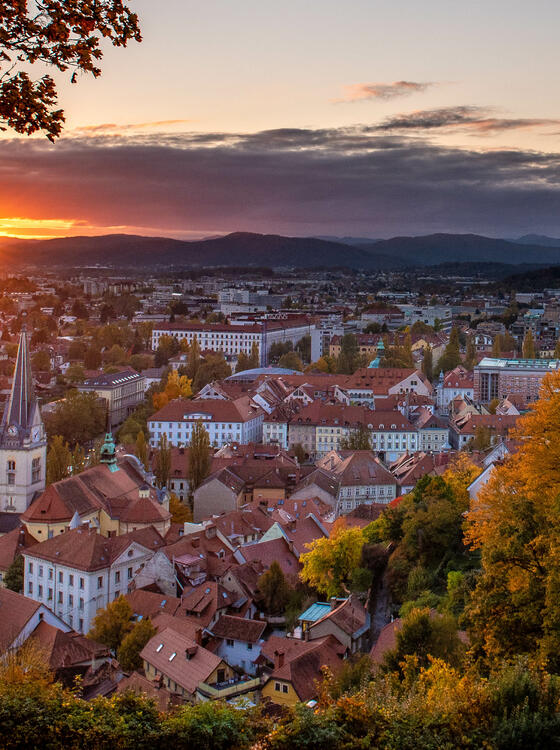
x=497 y=345
x=254 y=359
x=557 y=350
x=163 y=462
x=470 y=357
x=291 y=361
x=428 y=362
x=132 y=644
x=141 y=449
x=357 y=440
x=59 y=460
x=243 y=362
x=273 y=590
x=78 y=460
x=200 y=458
x=529 y=346
x=13 y=579
x=451 y=357
x=193 y=359
x=348 y=358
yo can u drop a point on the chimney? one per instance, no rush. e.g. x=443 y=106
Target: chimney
x=198 y=637
x=195 y=542
x=278 y=659
x=333 y=602
x=190 y=652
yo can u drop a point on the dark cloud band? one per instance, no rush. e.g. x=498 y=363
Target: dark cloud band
x=294 y=181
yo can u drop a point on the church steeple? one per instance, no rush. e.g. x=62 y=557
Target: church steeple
x=21 y=412
x=23 y=445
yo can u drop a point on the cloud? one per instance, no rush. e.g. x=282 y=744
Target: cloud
x=360 y=91
x=469 y=119
x=112 y=127
x=353 y=180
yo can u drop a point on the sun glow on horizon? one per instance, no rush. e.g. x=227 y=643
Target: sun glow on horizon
x=22 y=228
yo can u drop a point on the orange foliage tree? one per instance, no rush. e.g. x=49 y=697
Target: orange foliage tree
x=177 y=386
x=515 y=522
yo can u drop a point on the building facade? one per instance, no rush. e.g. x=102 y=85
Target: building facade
x=122 y=392
x=498 y=378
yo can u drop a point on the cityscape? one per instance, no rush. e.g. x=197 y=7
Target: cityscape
x=280 y=434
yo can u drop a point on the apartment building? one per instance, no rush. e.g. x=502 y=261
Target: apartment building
x=498 y=378
x=232 y=339
x=239 y=420
x=79 y=572
x=122 y=391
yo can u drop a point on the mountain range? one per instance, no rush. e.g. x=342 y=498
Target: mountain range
x=250 y=249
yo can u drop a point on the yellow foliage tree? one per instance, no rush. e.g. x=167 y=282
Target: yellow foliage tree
x=177 y=386
x=330 y=562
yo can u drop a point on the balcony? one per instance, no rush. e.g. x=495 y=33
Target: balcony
x=229 y=688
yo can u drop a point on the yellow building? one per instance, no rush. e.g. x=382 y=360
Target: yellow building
x=113 y=496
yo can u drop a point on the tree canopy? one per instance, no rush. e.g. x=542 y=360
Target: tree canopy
x=60 y=34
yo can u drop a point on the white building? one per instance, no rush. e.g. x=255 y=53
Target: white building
x=234 y=339
x=79 y=571
x=239 y=421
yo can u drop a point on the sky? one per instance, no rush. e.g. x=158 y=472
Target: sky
x=362 y=118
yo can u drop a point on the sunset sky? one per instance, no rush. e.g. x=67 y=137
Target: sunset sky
x=362 y=118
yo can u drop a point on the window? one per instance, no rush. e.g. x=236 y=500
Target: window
x=117 y=576
x=71 y=579
x=35 y=470
x=80 y=624
x=229 y=642
x=29 y=588
x=81 y=583
x=284 y=688
x=40 y=592
x=129 y=573
x=249 y=647
x=100 y=582
x=277 y=686
x=49 y=597
x=50 y=574
x=60 y=600
x=40 y=571
x=30 y=567
x=60 y=576
x=11 y=471
x=71 y=600
x=81 y=604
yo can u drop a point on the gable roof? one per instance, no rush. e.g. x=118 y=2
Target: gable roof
x=238 y=629
x=167 y=650
x=15 y=612
x=84 y=549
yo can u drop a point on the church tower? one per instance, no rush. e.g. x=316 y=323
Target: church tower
x=23 y=444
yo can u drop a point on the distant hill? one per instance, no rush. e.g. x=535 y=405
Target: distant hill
x=538 y=239
x=434 y=249
x=249 y=249
x=238 y=249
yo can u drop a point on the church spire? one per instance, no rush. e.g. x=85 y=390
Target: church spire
x=19 y=411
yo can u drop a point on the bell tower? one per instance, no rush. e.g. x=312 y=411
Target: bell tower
x=23 y=444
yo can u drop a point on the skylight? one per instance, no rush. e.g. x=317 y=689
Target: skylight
x=173 y=655
x=158 y=649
